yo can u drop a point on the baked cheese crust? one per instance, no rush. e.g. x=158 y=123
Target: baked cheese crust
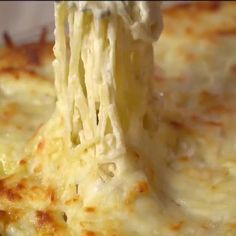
x=35 y=56
x=80 y=174
x=157 y=159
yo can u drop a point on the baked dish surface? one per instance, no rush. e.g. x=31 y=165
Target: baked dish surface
x=118 y=129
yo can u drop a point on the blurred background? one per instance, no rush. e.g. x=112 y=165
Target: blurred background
x=23 y=20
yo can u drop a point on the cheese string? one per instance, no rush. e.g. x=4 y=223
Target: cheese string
x=102 y=69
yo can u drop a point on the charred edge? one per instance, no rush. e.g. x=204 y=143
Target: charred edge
x=64 y=216
x=43 y=36
x=8 y=40
x=195 y=6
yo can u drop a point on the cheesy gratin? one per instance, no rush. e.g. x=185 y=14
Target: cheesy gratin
x=135 y=138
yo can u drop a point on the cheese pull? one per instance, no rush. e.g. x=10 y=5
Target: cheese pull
x=102 y=71
x=103 y=65
x=95 y=151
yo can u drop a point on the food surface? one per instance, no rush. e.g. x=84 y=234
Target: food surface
x=87 y=162
x=27 y=96
x=195 y=90
x=126 y=149
x=35 y=56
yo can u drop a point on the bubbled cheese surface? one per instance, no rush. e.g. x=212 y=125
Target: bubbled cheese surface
x=125 y=152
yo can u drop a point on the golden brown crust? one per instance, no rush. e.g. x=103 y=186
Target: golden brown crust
x=49 y=223
x=15 y=192
x=18 y=73
x=195 y=100
x=184 y=119
x=198 y=39
x=177 y=9
x=201 y=19
x=36 y=56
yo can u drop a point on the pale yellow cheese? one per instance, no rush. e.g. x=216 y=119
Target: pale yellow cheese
x=97 y=133
x=85 y=156
x=124 y=154
x=26 y=102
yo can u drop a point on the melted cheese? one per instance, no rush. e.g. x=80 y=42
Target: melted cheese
x=118 y=157
x=26 y=101
x=95 y=135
